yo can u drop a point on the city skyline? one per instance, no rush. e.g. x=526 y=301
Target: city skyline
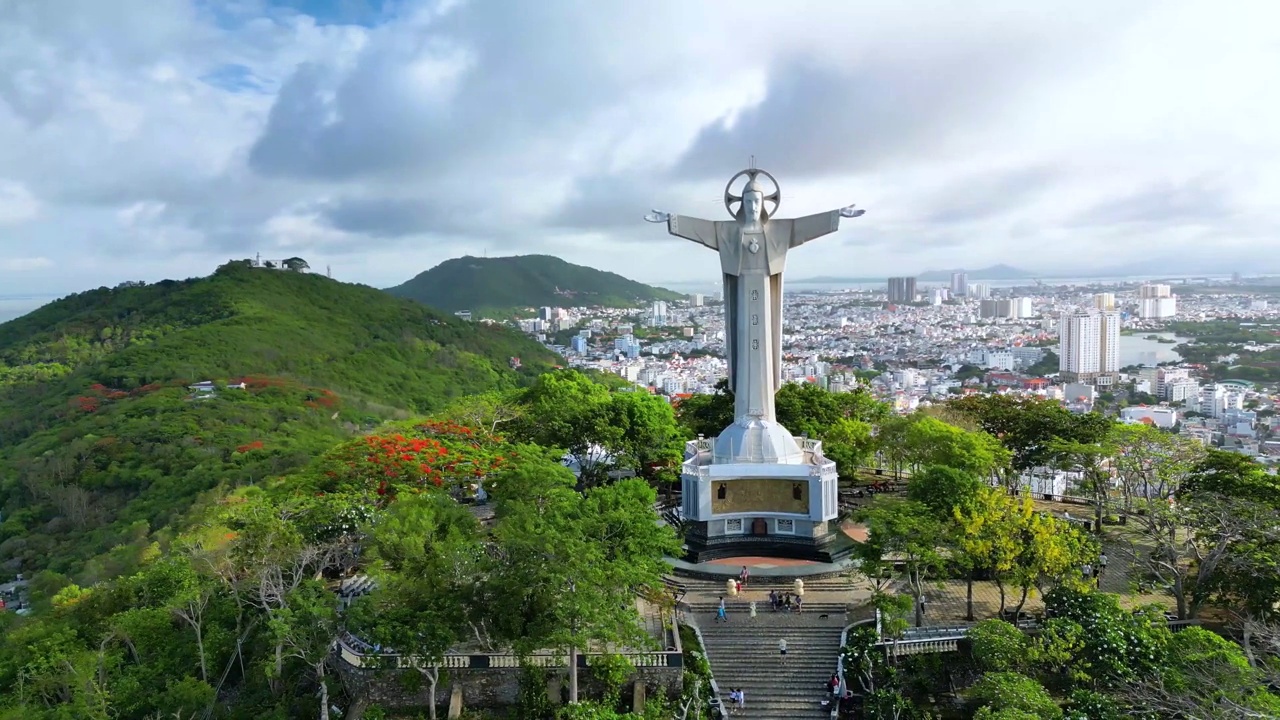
x=150 y=140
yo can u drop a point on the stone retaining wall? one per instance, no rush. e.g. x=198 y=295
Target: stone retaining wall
x=494 y=687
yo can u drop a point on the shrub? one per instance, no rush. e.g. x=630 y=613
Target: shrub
x=1004 y=691
x=997 y=646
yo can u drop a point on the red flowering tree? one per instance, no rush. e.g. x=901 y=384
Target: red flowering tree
x=430 y=454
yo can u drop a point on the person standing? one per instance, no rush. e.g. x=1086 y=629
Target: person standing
x=721 y=616
x=1102 y=564
x=744 y=576
x=782 y=650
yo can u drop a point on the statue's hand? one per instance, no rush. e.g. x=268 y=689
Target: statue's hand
x=851 y=211
x=657 y=216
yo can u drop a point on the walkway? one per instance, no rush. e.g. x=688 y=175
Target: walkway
x=744 y=651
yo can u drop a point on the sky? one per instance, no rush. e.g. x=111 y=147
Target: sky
x=151 y=139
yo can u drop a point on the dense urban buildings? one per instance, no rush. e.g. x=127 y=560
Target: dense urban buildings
x=914 y=355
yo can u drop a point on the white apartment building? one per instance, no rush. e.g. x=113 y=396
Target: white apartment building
x=1090 y=346
x=1162 y=416
x=1001 y=360
x=1156 y=302
x=1219 y=400
x=1028 y=355
x=1157 y=308
x=1183 y=391
x=659 y=314
x=1163 y=380
x=1104 y=301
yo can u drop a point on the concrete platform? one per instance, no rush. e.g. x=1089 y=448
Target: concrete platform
x=762 y=568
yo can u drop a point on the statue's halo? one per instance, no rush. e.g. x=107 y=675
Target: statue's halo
x=774 y=197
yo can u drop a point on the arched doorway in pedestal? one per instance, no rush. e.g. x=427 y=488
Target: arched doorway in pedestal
x=760 y=526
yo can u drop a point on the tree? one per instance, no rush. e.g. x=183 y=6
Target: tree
x=1092 y=640
x=1028 y=426
x=707 y=414
x=1092 y=461
x=487 y=413
x=1005 y=692
x=1206 y=676
x=930 y=441
x=296 y=264
x=942 y=489
x=602 y=431
x=568 y=567
x=651 y=443
x=1228 y=473
x=986 y=540
x=850 y=443
x=997 y=646
x=1152 y=465
x=1184 y=544
x=305 y=626
x=891 y=442
x=906 y=532
x=275 y=550
x=428 y=560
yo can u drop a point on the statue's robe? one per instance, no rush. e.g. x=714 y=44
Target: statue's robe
x=753 y=297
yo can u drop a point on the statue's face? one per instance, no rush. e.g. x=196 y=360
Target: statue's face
x=751 y=204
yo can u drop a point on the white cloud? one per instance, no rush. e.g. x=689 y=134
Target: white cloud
x=17 y=204
x=24 y=264
x=1061 y=135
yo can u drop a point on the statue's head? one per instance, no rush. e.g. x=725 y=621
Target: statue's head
x=752 y=200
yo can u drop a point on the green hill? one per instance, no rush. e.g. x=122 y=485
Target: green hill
x=102 y=443
x=471 y=283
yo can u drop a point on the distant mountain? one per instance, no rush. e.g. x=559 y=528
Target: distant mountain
x=995 y=272
x=472 y=283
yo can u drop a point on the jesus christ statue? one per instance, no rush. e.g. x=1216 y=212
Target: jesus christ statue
x=753 y=250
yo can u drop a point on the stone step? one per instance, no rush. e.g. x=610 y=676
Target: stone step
x=763 y=707
x=764 y=609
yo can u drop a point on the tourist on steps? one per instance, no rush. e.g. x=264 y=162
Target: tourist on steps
x=782 y=650
x=720 y=614
x=744 y=576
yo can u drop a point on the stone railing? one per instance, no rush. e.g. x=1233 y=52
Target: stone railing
x=692 y=468
x=358 y=654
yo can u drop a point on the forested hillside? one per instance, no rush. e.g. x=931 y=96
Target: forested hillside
x=471 y=283
x=102 y=443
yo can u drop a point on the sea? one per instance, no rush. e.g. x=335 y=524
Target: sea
x=13 y=306
x=712 y=286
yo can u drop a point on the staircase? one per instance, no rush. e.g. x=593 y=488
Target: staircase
x=744 y=651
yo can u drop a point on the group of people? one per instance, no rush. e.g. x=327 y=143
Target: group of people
x=737 y=700
x=785 y=601
x=1094 y=574
x=879 y=486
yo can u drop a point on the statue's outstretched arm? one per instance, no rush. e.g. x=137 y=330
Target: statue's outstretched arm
x=690 y=228
x=811 y=227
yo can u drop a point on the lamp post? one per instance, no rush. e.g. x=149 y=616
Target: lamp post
x=573 y=649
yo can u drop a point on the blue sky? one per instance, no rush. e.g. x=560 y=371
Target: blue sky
x=145 y=139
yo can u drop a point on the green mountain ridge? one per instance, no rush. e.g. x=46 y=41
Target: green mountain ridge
x=472 y=283
x=102 y=444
